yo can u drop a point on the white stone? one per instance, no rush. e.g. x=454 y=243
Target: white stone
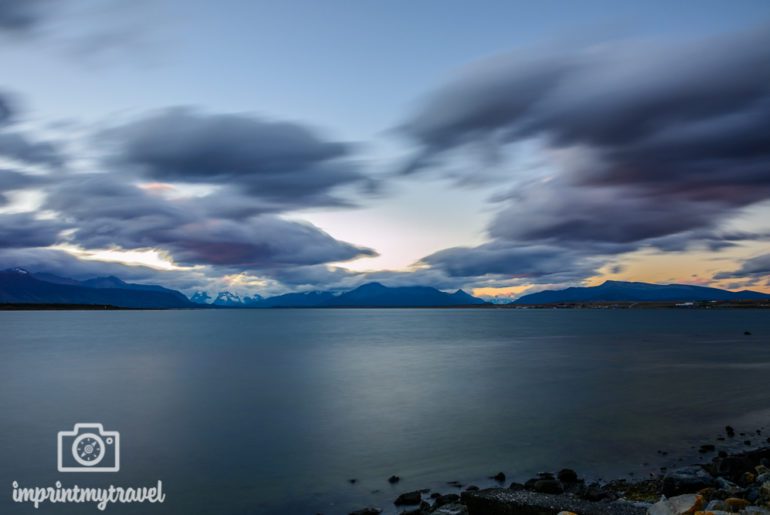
x=679 y=505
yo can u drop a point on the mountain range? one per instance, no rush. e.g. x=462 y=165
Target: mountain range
x=19 y=286
x=622 y=291
x=368 y=295
x=227 y=299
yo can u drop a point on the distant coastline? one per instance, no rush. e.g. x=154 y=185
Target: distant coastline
x=22 y=289
x=744 y=304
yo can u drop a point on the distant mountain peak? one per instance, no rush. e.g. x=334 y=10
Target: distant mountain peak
x=201 y=297
x=372 y=286
x=462 y=294
x=624 y=291
x=226 y=298
x=377 y=295
x=612 y=282
x=107 y=281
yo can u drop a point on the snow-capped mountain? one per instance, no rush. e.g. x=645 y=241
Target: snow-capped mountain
x=226 y=298
x=229 y=299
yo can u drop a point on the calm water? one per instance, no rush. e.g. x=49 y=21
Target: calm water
x=242 y=412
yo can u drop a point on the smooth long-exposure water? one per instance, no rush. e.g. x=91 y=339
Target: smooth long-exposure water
x=273 y=411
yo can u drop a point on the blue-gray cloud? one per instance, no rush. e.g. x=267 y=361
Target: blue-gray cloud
x=20 y=147
x=20 y=16
x=689 y=115
x=536 y=263
x=11 y=180
x=280 y=164
x=657 y=146
x=258 y=170
x=6 y=110
x=22 y=230
x=108 y=211
x=756 y=268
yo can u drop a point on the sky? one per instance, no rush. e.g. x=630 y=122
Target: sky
x=501 y=147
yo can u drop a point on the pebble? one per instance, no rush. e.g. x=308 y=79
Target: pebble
x=686 y=480
x=736 y=504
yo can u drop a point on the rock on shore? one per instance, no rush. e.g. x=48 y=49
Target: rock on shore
x=500 y=501
x=729 y=484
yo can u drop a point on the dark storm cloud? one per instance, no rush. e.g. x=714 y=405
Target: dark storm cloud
x=254 y=171
x=317 y=277
x=687 y=118
x=686 y=121
x=646 y=147
x=262 y=242
x=504 y=259
x=755 y=267
x=20 y=147
x=24 y=230
x=557 y=212
x=282 y=164
x=108 y=212
x=12 y=181
x=21 y=15
x=6 y=109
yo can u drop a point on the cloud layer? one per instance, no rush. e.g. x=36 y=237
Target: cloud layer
x=21 y=15
x=646 y=146
x=253 y=171
x=280 y=164
x=641 y=146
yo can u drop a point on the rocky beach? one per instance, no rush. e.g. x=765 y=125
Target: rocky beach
x=732 y=476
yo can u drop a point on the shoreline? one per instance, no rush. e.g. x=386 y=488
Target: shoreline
x=730 y=480
x=718 y=305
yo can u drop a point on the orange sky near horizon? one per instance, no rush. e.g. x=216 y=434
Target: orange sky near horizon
x=696 y=268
